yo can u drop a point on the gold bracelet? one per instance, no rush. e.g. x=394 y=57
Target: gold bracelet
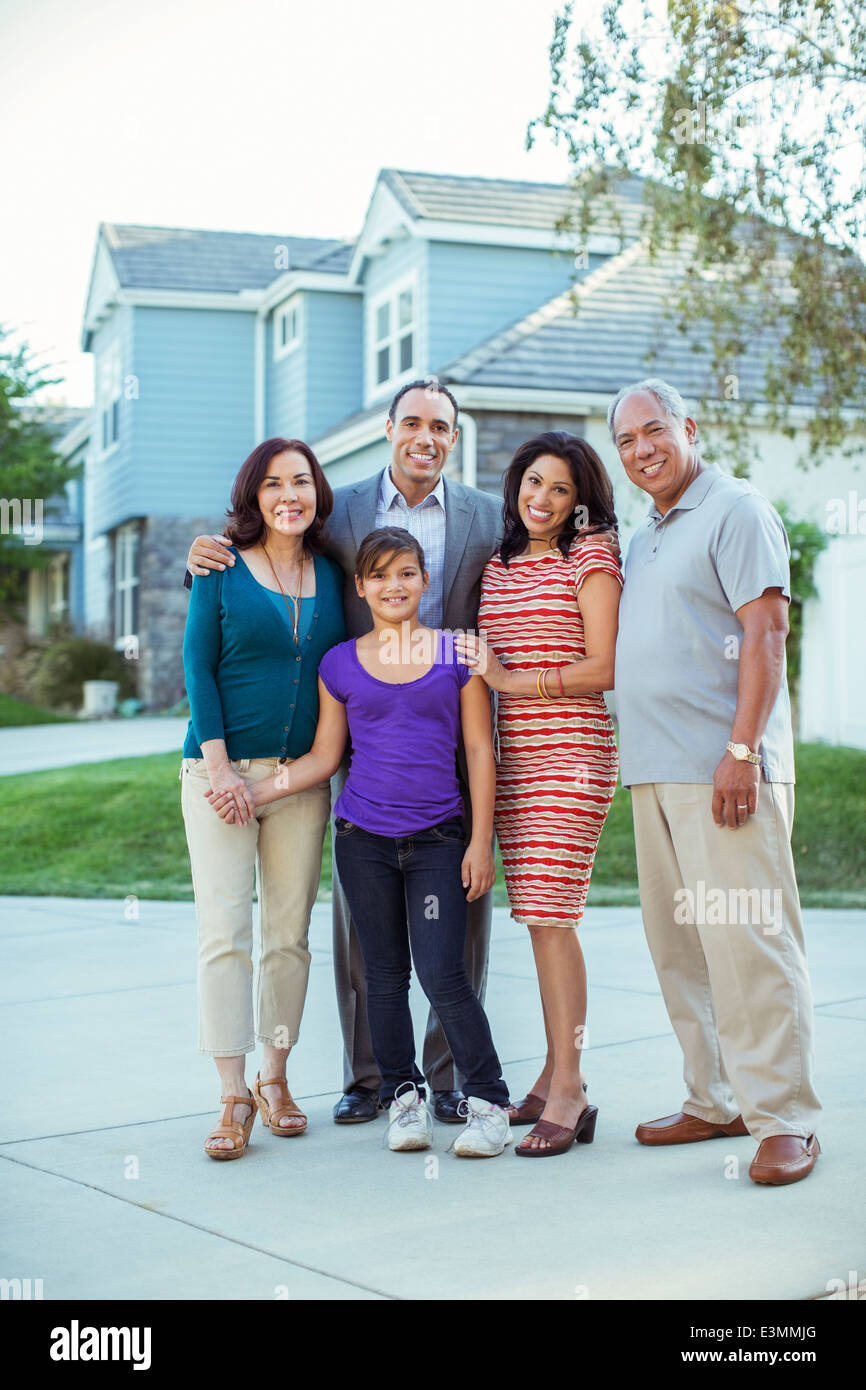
x=541 y=694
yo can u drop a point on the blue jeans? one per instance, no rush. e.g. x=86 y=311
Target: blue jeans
x=407 y=893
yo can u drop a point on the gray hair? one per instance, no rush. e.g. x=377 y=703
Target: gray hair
x=667 y=396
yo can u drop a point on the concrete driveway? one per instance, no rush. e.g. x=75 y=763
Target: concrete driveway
x=106 y=1106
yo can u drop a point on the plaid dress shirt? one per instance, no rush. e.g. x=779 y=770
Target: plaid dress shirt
x=426 y=522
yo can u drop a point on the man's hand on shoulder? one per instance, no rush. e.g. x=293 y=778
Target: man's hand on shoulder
x=608 y=538
x=208 y=553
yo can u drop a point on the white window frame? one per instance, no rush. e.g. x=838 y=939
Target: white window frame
x=393 y=338
x=109 y=391
x=294 y=306
x=127 y=560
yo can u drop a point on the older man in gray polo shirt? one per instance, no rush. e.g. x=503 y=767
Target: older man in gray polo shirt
x=706 y=747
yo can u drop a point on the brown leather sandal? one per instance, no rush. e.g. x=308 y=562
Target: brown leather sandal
x=272 y=1114
x=529 y=1110
x=238 y=1131
x=526 y=1111
x=559 y=1137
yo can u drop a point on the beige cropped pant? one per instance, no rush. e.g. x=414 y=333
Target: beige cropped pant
x=280 y=853
x=722 y=918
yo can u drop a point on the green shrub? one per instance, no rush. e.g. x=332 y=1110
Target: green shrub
x=66 y=665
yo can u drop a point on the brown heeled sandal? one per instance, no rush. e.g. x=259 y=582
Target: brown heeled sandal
x=238 y=1131
x=526 y=1111
x=558 y=1137
x=529 y=1110
x=272 y=1114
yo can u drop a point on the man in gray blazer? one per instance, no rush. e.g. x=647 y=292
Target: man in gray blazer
x=459 y=529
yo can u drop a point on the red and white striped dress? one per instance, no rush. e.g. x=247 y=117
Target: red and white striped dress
x=558 y=761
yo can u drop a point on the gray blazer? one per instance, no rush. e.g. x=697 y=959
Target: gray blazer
x=473 y=531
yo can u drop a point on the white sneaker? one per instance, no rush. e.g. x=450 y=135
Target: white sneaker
x=410 y=1122
x=487 y=1132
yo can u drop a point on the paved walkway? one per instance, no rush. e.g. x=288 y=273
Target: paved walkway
x=34 y=747
x=109 y=1194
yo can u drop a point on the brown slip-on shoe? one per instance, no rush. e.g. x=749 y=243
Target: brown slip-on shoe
x=784 y=1158
x=686 y=1129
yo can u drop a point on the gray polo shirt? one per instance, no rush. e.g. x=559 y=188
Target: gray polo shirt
x=677 y=653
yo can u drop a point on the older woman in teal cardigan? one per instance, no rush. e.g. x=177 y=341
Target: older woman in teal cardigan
x=255 y=634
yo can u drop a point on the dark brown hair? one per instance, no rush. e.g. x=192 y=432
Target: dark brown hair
x=382 y=545
x=588 y=473
x=245 y=523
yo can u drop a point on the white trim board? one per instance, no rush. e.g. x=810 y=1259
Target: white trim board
x=503 y=234
x=331 y=447
x=294 y=280
x=246 y=301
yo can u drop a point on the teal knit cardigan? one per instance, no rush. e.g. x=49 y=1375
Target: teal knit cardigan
x=247 y=681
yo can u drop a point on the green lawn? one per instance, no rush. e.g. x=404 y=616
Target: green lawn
x=14 y=712
x=108 y=830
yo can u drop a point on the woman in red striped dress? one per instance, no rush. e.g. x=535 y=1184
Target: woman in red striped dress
x=548 y=615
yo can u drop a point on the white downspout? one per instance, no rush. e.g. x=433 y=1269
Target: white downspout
x=469 y=453
x=259 y=376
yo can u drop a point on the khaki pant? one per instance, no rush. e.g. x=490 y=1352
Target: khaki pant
x=722 y=918
x=280 y=852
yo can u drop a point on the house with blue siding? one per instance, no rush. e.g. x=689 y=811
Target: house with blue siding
x=206 y=342
x=55 y=593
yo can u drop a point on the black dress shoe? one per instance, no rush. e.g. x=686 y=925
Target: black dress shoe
x=445 y=1105
x=356 y=1106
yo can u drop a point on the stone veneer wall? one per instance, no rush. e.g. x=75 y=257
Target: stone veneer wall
x=501 y=432
x=163 y=603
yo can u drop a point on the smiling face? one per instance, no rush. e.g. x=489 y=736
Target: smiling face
x=547 y=498
x=422 y=436
x=287 y=496
x=393 y=587
x=657 y=450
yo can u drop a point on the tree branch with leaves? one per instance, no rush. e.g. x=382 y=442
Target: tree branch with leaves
x=30 y=470
x=748 y=124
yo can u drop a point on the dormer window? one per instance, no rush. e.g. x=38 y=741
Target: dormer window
x=288 y=327
x=393 y=335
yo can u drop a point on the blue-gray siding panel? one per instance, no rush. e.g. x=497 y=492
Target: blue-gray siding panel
x=286 y=379
x=476 y=291
x=109 y=474
x=333 y=349
x=193 y=423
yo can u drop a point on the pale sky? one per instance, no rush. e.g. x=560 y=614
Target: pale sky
x=272 y=116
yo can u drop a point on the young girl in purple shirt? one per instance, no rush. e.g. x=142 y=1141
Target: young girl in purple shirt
x=401 y=848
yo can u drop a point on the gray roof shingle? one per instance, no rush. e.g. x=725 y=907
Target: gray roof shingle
x=178 y=258
x=503 y=202
x=619 y=333
x=182 y=258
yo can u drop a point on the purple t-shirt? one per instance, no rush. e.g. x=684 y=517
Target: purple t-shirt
x=403 y=774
